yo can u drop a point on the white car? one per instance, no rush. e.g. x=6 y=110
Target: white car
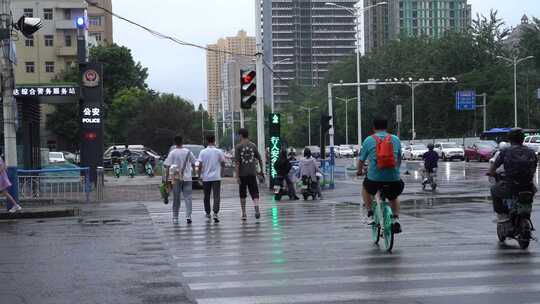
x=533 y=142
x=449 y=151
x=56 y=157
x=415 y=152
x=345 y=151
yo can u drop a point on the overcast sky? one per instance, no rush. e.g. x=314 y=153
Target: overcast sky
x=182 y=70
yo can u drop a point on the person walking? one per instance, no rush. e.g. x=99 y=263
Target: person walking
x=179 y=166
x=212 y=163
x=247 y=156
x=5 y=184
x=283 y=168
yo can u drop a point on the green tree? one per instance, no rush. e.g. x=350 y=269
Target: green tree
x=120 y=71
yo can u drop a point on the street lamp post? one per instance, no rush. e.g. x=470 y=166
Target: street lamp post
x=272 y=103
x=515 y=61
x=357 y=13
x=309 y=109
x=346 y=100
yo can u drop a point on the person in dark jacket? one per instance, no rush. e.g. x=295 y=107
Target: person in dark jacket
x=283 y=167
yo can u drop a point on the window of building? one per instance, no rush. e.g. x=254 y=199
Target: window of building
x=95 y=20
x=30 y=67
x=29 y=42
x=67 y=41
x=49 y=66
x=49 y=40
x=67 y=14
x=48 y=13
x=28 y=12
x=97 y=36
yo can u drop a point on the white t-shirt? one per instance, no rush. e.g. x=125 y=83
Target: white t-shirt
x=211 y=159
x=177 y=158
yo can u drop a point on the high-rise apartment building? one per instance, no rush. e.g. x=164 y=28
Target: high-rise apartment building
x=100 y=23
x=225 y=49
x=302 y=38
x=409 y=18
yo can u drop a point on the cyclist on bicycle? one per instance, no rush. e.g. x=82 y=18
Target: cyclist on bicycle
x=431 y=159
x=383 y=151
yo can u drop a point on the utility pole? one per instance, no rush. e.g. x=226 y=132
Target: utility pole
x=9 y=103
x=260 y=82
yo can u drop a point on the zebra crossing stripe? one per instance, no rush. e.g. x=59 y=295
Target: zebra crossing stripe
x=364 y=279
x=372 y=295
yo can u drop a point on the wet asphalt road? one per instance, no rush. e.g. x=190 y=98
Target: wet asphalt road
x=298 y=252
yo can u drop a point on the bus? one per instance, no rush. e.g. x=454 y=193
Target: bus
x=500 y=134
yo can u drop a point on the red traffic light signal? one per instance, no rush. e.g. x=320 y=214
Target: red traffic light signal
x=248 y=88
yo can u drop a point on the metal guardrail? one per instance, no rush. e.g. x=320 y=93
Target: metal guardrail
x=55 y=184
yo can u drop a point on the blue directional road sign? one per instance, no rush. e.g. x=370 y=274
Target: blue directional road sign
x=465 y=100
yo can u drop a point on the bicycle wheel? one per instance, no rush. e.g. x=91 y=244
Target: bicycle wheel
x=375 y=227
x=388 y=231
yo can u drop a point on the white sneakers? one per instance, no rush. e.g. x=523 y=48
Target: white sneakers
x=15 y=209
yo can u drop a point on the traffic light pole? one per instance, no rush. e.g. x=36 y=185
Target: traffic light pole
x=260 y=82
x=9 y=103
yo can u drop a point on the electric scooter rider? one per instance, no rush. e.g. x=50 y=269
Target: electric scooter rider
x=519 y=168
x=431 y=159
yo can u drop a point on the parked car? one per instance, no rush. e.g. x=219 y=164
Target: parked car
x=315 y=151
x=345 y=151
x=480 y=151
x=71 y=157
x=415 y=152
x=533 y=142
x=196 y=177
x=56 y=157
x=404 y=147
x=449 y=151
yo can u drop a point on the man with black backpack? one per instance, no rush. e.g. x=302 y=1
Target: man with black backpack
x=519 y=169
x=383 y=151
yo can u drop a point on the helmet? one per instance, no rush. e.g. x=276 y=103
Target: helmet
x=503 y=145
x=430 y=146
x=516 y=136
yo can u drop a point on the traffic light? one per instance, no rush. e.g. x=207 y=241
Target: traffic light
x=325 y=123
x=248 y=88
x=28 y=26
x=325 y=127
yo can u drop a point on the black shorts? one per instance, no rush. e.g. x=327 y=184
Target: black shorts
x=249 y=182
x=391 y=189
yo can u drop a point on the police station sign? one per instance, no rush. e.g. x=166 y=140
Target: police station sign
x=44 y=91
x=91 y=116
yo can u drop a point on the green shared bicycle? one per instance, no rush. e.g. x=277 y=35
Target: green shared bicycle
x=382 y=225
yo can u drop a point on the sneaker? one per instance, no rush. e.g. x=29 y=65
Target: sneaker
x=396 y=226
x=208 y=216
x=188 y=219
x=175 y=220
x=15 y=209
x=244 y=218
x=216 y=219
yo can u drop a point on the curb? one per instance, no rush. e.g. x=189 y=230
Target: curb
x=40 y=213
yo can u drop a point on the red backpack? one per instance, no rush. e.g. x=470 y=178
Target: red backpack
x=385 y=152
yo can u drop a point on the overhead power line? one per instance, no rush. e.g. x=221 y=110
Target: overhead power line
x=164 y=36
